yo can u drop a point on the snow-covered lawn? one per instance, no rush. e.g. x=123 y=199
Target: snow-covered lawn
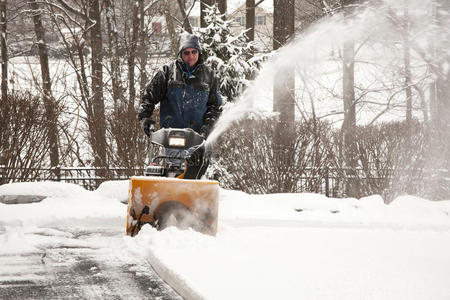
x=279 y=246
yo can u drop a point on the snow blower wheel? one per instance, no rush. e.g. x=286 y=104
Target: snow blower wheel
x=174 y=213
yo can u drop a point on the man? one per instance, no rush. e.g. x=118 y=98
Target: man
x=188 y=92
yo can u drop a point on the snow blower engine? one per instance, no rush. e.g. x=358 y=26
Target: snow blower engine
x=165 y=196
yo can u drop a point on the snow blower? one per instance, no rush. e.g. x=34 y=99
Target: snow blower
x=164 y=196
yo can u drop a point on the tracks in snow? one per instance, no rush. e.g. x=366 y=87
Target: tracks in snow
x=79 y=264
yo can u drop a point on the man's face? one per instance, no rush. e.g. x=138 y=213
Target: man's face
x=190 y=56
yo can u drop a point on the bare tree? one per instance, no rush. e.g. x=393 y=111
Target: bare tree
x=113 y=52
x=49 y=103
x=309 y=11
x=186 y=23
x=250 y=19
x=169 y=14
x=407 y=62
x=132 y=55
x=143 y=37
x=25 y=146
x=284 y=92
x=439 y=156
x=4 y=50
x=4 y=107
x=97 y=121
x=443 y=74
x=68 y=19
x=348 y=129
x=283 y=30
x=257 y=169
x=222 y=5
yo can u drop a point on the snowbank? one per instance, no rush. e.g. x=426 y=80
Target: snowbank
x=116 y=189
x=62 y=203
x=44 y=188
x=318 y=210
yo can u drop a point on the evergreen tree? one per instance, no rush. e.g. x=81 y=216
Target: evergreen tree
x=229 y=56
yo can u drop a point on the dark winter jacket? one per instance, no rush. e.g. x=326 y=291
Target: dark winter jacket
x=189 y=98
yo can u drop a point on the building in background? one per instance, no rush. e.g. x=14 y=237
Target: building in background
x=236 y=13
x=263 y=26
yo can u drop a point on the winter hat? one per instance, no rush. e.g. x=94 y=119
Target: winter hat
x=188 y=40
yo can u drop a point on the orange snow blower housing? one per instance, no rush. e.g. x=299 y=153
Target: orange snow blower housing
x=163 y=198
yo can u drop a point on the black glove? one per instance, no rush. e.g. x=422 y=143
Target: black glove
x=196 y=157
x=204 y=131
x=148 y=125
x=197 y=162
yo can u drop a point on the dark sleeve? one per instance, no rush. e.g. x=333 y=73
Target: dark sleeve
x=214 y=103
x=154 y=93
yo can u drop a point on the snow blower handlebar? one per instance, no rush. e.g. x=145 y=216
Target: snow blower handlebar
x=175 y=138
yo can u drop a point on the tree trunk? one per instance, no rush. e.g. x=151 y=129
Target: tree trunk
x=98 y=121
x=113 y=43
x=222 y=4
x=142 y=49
x=250 y=19
x=432 y=86
x=171 y=29
x=284 y=96
x=4 y=50
x=4 y=106
x=443 y=81
x=438 y=144
x=132 y=55
x=49 y=103
x=349 y=123
x=186 y=23
x=407 y=62
x=283 y=29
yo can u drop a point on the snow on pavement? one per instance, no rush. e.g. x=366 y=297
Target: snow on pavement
x=283 y=246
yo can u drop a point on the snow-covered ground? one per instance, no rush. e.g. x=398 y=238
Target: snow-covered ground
x=279 y=246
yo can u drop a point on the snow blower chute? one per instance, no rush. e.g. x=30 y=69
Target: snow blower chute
x=163 y=197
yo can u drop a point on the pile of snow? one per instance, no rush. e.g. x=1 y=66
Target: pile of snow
x=45 y=188
x=63 y=202
x=116 y=189
x=319 y=210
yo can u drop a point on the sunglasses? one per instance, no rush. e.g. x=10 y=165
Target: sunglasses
x=189 y=52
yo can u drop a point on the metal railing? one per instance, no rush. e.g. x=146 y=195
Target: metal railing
x=337 y=182
x=329 y=181
x=88 y=177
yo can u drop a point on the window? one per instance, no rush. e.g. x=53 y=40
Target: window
x=156 y=27
x=240 y=21
x=260 y=20
x=193 y=21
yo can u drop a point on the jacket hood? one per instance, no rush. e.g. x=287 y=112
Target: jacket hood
x=188 y=40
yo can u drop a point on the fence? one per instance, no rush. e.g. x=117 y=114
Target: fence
x=329 y=181
x=336 y=182
x=88 y=177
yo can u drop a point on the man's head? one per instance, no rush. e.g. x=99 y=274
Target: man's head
x=189 y=49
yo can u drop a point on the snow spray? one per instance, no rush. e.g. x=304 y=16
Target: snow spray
x=317 y=58
x=379 y=32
